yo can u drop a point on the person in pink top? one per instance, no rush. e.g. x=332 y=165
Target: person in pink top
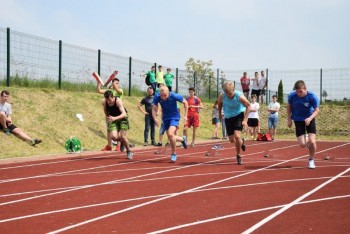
x=245 y=82
x=194 y=105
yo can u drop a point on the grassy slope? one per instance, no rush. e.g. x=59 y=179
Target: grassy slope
x=49 y=114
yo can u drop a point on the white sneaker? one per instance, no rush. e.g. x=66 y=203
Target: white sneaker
x=312 y=164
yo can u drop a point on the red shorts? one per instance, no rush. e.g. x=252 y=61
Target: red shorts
x=192 y=121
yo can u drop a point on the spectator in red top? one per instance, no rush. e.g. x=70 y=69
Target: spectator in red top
x=245 y=82
x=194 y=105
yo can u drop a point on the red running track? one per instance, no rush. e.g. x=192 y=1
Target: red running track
x=106 y=193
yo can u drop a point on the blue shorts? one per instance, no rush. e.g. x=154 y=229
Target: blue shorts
x=273 y=122
x=170 y=122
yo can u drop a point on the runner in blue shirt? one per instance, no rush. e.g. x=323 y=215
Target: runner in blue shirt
x=302 y=108
x=170 y=116
x=236 y=110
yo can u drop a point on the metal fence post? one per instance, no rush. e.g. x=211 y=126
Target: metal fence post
x=217 y=83
x=99 y=62
x=209 y=86
x=177 y=80
x=8 y=58
x=130 y=64
x=59 y=64
x=321 y=85
x=267 y=86
x=194 y=80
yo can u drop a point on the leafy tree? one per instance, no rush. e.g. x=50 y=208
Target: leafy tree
x=202 y=71
x=280 y=92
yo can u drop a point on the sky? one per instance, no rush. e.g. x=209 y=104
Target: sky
x=234 y=34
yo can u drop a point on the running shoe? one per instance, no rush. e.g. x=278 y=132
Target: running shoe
x=107 y=148
x=7 y=131
x=239 y=160
x=184 y=142
x=243 y=144
x=145 y=144
x=312 y=164
x=35 y=142
x=129 y=155
x=173 y=157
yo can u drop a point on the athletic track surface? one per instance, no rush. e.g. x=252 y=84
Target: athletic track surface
x=103 y=192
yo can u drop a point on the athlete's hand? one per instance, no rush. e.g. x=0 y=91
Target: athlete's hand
x=289 y=123
x=308 y=121
x=185 y=118
x=156 y=121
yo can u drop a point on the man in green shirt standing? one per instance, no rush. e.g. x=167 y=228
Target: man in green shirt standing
x=168 y=78
x=160 y=76
x=152 y=78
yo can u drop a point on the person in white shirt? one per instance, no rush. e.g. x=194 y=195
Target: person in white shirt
x=262 y=87
x=253 y=117
x=255 y=85
x=273 y=110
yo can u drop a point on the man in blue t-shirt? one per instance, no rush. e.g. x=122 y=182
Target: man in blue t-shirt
x=236 y=110
x=302 y=108
x=170 y=116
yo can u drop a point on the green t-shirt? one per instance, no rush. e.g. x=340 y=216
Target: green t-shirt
x=168 y=77
x=116 y=94
x=160 y=77
x=152 y=76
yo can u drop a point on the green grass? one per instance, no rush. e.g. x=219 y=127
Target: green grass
x=49 y=114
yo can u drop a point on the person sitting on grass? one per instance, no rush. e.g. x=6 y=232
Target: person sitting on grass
x=6 y=121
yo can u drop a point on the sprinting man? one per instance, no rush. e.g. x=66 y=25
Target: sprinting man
x=302 y=108
x=117 y=92
x=6 y=124
x=236 y=110
x=117 y=120
x=194 y=105
x=170 y=116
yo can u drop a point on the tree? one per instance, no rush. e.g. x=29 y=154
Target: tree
x=280 y=92
x=203 y=74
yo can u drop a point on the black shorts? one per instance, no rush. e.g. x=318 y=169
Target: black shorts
x=10 y=127
x=262 y=91
x=300 y=127
x=246 y=90
x=256 y=92
x=253 y=122
x=234 y=123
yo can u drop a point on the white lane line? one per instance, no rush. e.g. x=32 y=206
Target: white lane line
x=243 y=213
x=176 y=194
x=108 y=182
x=296 y=201
x=156 y=196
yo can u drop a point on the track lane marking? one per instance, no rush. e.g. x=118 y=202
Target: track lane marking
x=174 y=195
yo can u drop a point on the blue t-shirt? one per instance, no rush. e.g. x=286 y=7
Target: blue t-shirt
x=233 y=107
x=302 y=107
x=169 y=106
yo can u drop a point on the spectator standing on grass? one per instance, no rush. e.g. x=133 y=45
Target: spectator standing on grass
x=302 y=108
x=253 y=118
x=168 y=79
x=117 y=92
x=170 y=116
x=273 y=109
x=194 y=105
x=6 y=124
x=255 y=85
x=215 y=120
x=152 y=78
x=245 y=83
x=236 y=109
x=117 y=120
x=262 y=86
x=160 y=76
x=147 y=112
